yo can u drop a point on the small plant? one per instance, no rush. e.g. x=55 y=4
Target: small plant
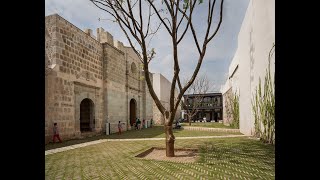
x=235 y=111
x=232 y=109
x=263 y=106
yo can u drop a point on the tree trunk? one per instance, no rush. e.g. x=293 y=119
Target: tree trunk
x=189 y=120
x=169 y=141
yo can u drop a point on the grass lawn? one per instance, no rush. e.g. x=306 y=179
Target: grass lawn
x=227 y=158
x=154 y=132
x=208 y=124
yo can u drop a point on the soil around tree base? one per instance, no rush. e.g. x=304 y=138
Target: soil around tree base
x=181 y=155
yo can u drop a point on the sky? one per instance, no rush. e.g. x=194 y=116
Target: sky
x=220 y=51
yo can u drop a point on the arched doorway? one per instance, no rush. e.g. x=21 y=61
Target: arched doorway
x=87 y=120
x=133 y=113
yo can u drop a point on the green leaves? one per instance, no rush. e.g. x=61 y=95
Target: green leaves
x=235 y=111
x=185 y=4
x=263 y=106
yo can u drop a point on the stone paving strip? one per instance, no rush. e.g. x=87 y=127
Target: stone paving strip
x=210 y=129
x=53 y=151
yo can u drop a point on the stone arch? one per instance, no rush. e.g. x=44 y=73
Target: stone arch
x=87 y=118
x=133 y=111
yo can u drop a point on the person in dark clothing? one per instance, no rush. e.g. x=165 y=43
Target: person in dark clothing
x=177 y=125
x=138 y=124
x=215 y=117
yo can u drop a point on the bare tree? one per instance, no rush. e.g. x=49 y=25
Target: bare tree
x=141 y=19
x=195 y=96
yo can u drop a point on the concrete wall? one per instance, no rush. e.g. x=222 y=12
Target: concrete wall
x=162 y=88
x=149 y=101
x=255 y=41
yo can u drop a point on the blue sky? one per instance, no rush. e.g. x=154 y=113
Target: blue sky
x=220 y=51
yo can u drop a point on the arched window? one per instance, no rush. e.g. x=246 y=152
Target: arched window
x=133 y=68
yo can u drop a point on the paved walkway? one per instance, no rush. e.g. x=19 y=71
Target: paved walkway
x=52 y=151
x=195 y=128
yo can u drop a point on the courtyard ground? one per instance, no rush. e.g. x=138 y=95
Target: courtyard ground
x=154 y=132
x=208 y=124
x=220 y=158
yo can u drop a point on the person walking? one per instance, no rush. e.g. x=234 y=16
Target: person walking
x=56 y=133
x=119 y=128
x=143 y=123
x=138 y=124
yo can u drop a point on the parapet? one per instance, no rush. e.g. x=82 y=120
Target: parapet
x=105 y=37
x=89 y=32
x=118 y=45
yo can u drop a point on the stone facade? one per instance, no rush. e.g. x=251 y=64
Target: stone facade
x=90 y=81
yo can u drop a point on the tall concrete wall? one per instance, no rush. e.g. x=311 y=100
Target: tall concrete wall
x=255 y=41
x=162 y=87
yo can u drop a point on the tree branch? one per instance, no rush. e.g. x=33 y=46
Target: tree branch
x=148 y=22
x=192 y=28
x=189 y=20
x=220 y=21
x=161 y=19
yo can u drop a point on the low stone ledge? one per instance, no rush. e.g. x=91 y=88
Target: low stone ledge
x=211 y=129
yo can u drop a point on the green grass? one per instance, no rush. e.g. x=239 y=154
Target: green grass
x=227 y=158
x=154 y=132
x=208 y=124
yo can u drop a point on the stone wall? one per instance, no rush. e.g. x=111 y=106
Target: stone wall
x=115 y=102
x=80 y=66
x=78 y=60
x=134 y=82
x=227 y=111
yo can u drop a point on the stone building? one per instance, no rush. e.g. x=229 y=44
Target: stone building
x=90 y=81
x=207 y=105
